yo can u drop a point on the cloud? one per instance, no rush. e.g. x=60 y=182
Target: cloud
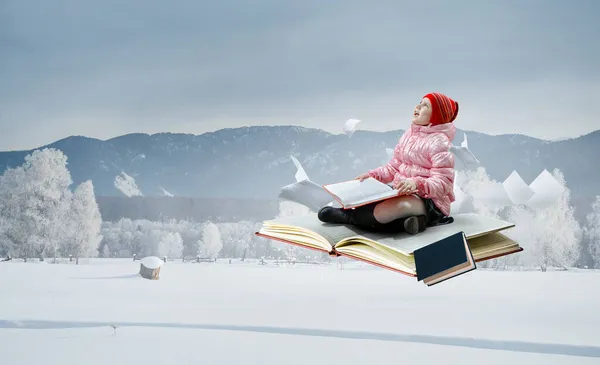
x=191 y=66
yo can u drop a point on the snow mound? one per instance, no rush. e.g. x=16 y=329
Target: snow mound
x=152 y=262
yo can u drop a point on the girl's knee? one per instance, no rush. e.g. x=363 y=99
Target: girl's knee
x=407 y=202
x=399 y=207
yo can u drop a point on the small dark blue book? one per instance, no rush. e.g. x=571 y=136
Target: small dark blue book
x=444 y=259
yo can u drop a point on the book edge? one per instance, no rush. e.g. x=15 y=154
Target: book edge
x=517 y=250
x=350 y=206
x=259 y=234
x=406 y=253
x=334 y=253
x=379 y=199
x=376 y=264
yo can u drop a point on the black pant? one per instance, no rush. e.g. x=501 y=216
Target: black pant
x=364 y=218
x=433 y=214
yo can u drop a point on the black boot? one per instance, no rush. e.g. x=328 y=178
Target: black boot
x=336 y=215
x=415 y=224
x=361 y=217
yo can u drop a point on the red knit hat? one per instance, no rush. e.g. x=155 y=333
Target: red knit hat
x=444 y=109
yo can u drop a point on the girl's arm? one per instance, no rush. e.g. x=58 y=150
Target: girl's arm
x=385 y=173
x=441 y=180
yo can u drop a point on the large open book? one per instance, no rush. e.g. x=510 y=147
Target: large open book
x=354 y=193
x=391 y=251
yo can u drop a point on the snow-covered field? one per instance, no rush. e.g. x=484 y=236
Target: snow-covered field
x=244 y=313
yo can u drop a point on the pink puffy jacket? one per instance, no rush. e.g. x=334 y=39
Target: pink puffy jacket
x=423 y=155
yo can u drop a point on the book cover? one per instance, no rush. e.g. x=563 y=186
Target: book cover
x=448 y=257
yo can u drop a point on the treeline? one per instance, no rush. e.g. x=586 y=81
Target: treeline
x=187 y=240
x=160 y=208
x=182 y=239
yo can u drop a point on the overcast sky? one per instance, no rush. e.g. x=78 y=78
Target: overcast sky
x=106 y=68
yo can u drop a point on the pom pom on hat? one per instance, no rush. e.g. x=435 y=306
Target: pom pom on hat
x=444 y=109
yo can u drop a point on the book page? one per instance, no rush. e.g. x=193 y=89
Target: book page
x=331 y=232
x=518 y=191
x=307 y=193
x=355 y=192
x=465 y=156
x=473 y=225
x=491 y=244
x=379 y=257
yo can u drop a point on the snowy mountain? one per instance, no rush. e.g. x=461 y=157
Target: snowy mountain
x=253 y=162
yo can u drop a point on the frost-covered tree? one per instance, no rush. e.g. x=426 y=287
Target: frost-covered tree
x=141 y=237
x=472 y=182
x=83 y=224
x=236 y=238
x=120 y=237
x=592 y=232
x=104 y=251
x=210 y=245
x=35 y=199
x=5 y=243
x=550 y=236
x=190 y=233
x=171 y=245
x=126 y=237
x=159 y=242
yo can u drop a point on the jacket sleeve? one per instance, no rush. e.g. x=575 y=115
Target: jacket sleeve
x=441 y=180
x=385 y=173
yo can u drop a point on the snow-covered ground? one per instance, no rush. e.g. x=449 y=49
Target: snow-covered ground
x=244 y=313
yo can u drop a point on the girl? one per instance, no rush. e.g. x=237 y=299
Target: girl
x=422 y=170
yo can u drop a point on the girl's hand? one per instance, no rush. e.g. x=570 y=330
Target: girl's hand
x=362 y=177
x=405 y=187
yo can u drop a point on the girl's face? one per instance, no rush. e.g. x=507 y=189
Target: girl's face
x=422 y=112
